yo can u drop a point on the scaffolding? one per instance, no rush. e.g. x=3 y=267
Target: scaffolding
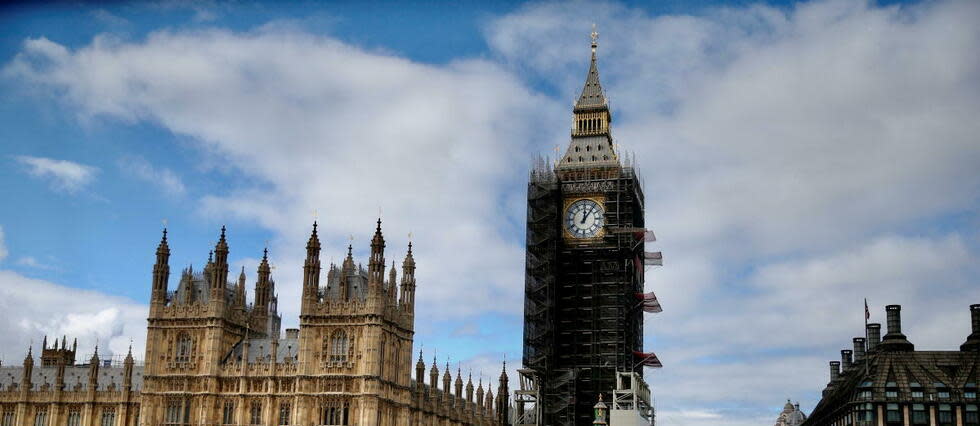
x=582 y=319
x=526 y=397
x=631 y=399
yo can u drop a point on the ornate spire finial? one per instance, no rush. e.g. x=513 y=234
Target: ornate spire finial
x=265 y=254
x=595 y=38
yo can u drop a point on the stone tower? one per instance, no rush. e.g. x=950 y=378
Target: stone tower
x=584 y=265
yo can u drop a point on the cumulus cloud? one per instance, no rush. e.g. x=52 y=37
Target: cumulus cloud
x=785 y=151
x=63 y=175
x=787 y=154
x=32 y=308
x=167 y=180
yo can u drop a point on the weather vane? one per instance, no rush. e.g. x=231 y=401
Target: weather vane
x=595 y=37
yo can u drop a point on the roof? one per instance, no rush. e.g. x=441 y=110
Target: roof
x=260 y=350
x=76 y=377
x=900 y=371
x=592 y=97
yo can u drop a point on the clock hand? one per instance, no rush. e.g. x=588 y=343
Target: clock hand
x=584 y=216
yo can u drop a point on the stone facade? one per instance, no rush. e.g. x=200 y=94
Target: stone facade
x=212 y=359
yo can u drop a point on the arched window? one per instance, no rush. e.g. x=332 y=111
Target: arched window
x=338 y=346
x=184 y=348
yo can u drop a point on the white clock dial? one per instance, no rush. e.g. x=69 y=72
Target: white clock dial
x=584 y=218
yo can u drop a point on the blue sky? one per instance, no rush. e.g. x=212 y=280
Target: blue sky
x=797 y=157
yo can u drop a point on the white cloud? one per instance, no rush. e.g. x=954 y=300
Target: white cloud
x=786 y=152
x=32 y=308
x=326 y=126
x=164 y=178
x=63 y=175
x=32 y=262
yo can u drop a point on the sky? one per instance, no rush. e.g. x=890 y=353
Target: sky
x=797 y=158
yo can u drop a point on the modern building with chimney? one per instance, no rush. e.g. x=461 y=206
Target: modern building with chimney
x=885 y=381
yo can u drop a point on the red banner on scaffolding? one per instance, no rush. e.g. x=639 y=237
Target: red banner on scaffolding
x=647 y=359
x=649 y=302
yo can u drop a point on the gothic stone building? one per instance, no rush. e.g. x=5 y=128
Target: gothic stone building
x=885 y=381
x=212 y=359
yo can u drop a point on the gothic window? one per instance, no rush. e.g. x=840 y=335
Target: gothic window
x=8 y=418
x=108 y=416
x=338 y=346
x=255 y=415
x=605 y=157
x=74 y=417
x=593 y=158
x=576 y=149
x=580 y=158
x=41 y=417
x=333 y=414
x=942 y=391
x=284 y=411
x=599 y=147
x=588 y=148
x=177 y=413
x=228 y=413
x=184 y=346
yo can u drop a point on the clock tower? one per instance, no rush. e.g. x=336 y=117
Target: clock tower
x=584 y=267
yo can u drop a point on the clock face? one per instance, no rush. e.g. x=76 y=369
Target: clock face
x=584 y=218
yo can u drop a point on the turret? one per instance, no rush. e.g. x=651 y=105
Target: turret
x=219 y=270
x=446 y=382
x=263 y=286
x=376 y=264
x=240 y=290
x=459 y=383
x=469 y=388
x=392 y=288
x=28 y=371
x=434 y=376
x=346 y=272
x=420 y=373
x=488 y=401
x=407 y=302
x=479 y=395
x=161 y=273
x=93 y=370
x=128 y=370
x=503 y=393
x=311 y=271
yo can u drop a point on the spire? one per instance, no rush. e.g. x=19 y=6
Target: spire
x=592 y=97
x=376 y=264
x=219 y=271
x=161 y=272
x=434 y=374
x=420 y=371
x=503 y=393
x=459 y=383
x=469 y=387
x=591 y=145
x=263 y=285
x=407 y=301
x=240 y=290
x=311 y=270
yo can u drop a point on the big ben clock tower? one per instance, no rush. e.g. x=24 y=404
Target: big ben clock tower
x=584 y=268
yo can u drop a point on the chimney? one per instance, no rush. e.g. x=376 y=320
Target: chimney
x=292 y=333
x=834 y=371
x=858 y=349
x=895 y=340
x=973 y=341
x=874 y=337
x=845 y=359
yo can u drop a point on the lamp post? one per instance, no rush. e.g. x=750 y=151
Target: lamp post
x=600 y=412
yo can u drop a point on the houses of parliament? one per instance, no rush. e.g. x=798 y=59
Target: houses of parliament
x=212 y=358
